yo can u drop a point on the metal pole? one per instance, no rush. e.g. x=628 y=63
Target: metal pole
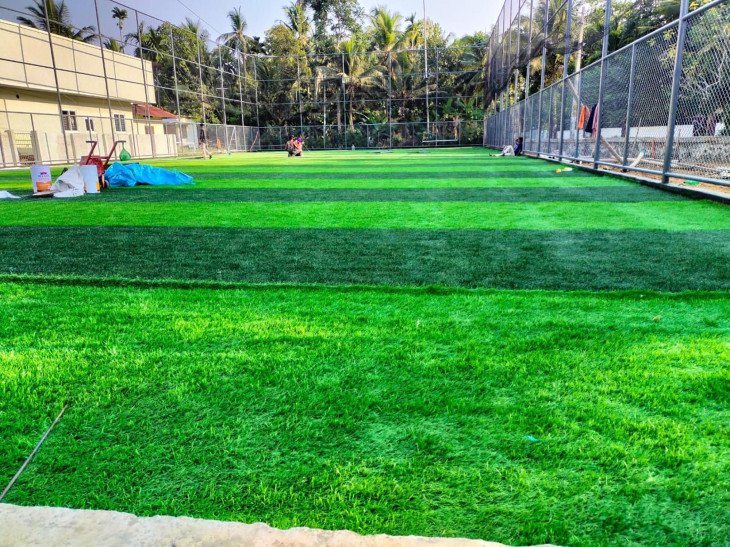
x=177 y=91
x=240 y=101
x=629 y=105
x=200 y=76
x=324 y=115
x=299 y=98
x=344 y=97
x=674 y=103
x=580 y=103
x=566 y=65
x=103 y=64
x=527 y=71
x=438 y=58
x=256 y=92
x=542 y=77
x=144 y=80
x=602 y=84
x=223 y=101
x=390 y=101
x=425 y=58
x=58 y=88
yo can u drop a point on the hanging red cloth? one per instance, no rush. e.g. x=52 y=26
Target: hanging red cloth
x=584 y=113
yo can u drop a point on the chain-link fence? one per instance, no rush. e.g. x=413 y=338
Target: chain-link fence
x=657 y=107
x=97 y=70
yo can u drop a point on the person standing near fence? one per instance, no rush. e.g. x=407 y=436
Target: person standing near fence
x=203 y=140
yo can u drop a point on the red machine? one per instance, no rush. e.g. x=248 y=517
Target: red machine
x=101 y=162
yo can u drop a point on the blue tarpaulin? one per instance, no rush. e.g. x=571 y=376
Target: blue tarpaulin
x=132 y=174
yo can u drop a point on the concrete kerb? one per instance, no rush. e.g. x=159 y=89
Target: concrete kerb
x=31 y=526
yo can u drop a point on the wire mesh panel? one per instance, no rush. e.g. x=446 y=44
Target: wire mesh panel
x=587 y=122
x=545 y=129
x=702 y=138
x=652 y=90
x=630 y=129
x=571 y=114
x=614 y=108
x=531 y=124
x=555 y=123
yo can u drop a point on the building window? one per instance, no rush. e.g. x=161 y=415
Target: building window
x=68 y=119
x=89 y=124
x=120 y=122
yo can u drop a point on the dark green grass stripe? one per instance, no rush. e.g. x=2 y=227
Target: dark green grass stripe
x=370 y=174
x=631 y=194
x=525 y=259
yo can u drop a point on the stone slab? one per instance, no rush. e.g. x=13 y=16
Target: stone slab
x=42 y=526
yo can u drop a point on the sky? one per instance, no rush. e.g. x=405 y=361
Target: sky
x=455 y=16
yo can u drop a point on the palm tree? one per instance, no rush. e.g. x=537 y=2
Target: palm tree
x=112 y=45
x=152 y=42
x=120 y=14
x=386 y=33
x=359 y=73
x=297 y=21
x=237 y=39
x=58 y=15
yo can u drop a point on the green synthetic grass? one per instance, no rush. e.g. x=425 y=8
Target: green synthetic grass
x=399 y=413
x=387 y=387
x=670 y=216
x=511 y=259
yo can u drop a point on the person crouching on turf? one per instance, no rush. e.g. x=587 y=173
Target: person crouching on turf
x=292 y=147
x=515 y=150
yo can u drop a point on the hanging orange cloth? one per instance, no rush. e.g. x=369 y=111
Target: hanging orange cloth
x=584 y=113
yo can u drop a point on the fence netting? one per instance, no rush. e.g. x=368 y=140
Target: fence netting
x=99 y=70
x=645 y=90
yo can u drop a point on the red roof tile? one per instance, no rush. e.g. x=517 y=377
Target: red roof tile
x=144 y=110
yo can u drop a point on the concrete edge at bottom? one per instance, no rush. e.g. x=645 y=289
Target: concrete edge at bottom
x=30 y=526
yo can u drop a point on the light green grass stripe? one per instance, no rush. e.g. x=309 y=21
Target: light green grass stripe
x=671 y=216
x=204 y=181
x=426 y=182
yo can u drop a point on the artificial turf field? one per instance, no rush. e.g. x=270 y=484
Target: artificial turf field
x=434 y=343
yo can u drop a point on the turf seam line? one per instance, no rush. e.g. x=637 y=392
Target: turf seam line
x=431 y=290
x=32 y=454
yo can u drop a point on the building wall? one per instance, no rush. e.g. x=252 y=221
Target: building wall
x=26 y=62
x=25 y=110
x=30 y=125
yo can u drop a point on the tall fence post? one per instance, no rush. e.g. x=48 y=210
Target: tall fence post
x=344 y=99
x=103 y=64
x=58 y=95
x=177 y=91
x=676 y=81
x=542 y=77
x=299 y=98
x=566 y=66
x=580 y=102
x=240 y=101
x=144 y=82
x=602 y=84
x=438 y=60
x=527 y=71
x=223 y=101
x=390 y=101
x=629 y=106
x=200 y=80
x=256 y=91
